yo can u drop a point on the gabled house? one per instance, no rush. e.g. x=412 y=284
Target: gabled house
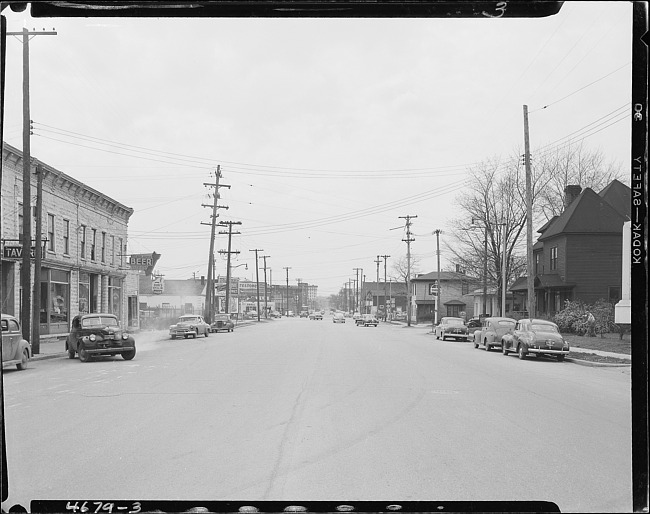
x=578 y=253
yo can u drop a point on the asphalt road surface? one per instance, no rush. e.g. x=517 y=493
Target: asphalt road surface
x=298 y=409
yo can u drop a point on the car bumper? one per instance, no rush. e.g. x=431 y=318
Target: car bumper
x=109 y=350
x=548 y=351
x=182 y=333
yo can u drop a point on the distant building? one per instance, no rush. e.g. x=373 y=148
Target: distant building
x=374 y=297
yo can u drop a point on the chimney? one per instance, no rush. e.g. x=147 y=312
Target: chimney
x=571 y=192
x=202 y=280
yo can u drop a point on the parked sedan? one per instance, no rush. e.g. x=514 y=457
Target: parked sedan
x=367 y=320
x=451 y=327
x=536 y=336
x=316 y=315
x=15 y=349
x=189 y=325
x=492 y=330
x=98 y=334
x=222 y=322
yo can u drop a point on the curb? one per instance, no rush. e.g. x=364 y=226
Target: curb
x=595 y=364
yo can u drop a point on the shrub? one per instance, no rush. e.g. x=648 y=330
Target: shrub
x=572 y=318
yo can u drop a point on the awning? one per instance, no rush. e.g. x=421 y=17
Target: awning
x=454 y=302
x=551 y=281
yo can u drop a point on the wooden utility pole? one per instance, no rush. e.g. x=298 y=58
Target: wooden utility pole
x=228 y=252
x=209 y=290
x=287 y=269
x=408 y=241
x=266 y=305
x=26 y=269
x=357 y=302
x=378 y=261
x=530 y=275
x=437 y=232
x=257 y=279
x=385 y=297
x=36 y=314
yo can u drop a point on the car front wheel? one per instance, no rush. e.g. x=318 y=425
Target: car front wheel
x=504 y=350
x=71 y=353
x=84 y=356
x=206 y=332
x=521 y=352
x=487 y=346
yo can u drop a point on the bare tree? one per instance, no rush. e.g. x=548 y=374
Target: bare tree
x=572 y=165
x=400 y=268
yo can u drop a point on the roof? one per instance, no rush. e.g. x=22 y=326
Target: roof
x=619 y=196
x=454 y=302
x=189 y=287
x=587 y=214
x=521 y=284
x=444 y=275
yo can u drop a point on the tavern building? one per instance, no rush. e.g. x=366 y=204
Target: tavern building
x=84 y=267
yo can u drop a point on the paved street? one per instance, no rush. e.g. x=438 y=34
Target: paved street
x=312 y=410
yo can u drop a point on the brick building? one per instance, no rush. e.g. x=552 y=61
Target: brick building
x=84 y=266
x=456 y=295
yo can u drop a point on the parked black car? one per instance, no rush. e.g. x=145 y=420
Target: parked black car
x=98 y=334
x=15 y=349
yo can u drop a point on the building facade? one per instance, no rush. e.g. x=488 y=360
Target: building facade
x=456 y=295
x=84 y=232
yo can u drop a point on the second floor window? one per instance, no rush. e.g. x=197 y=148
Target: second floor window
x=82 y=246
x=112 y=249
x=103 y=246
x=50 y=232
x=93 y=243
x=538 y=263
x=66 y=237
x=553 y=262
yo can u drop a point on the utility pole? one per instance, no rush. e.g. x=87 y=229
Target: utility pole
x=378 y=261
x=209 y=290
x=228 y=252
x=357 y=303
x=36 y=311
x=385 y=298
x=530 y=279
x=26 y=269
x=408 y=241
x=266 y=305
x=257 y=279
x=287 y=269
x=437 y=232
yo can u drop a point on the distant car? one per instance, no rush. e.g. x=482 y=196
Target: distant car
x=492 y=330
x=98 y=334
x=15 y=349
x=316 y=315
x=536 y=336
x=222 y=322
x=473 y=324
x=367 y=320
x=338 y=317
x=303 y=314
x=275 y=314
x=290 y=314
x=356 y=316
x=189 y=325
x=399 y=316
x=451 y=327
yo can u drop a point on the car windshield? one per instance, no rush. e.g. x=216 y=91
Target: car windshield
x=504 y=323
x=97 y=321
x=356 y=156
x=221 y=317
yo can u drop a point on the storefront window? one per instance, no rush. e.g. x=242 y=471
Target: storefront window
x=115 y=296
x=84 y=293
x=59 y=296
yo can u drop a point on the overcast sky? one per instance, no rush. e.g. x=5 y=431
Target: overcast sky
x=327 y=130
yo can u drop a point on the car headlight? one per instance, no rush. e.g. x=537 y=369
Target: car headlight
x=92 y=337
x=125 y=336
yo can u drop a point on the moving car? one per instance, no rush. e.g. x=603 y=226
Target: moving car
x=492 y=330
x=98 y=334
x=304 y=314
x=15 y=349
x=222 y=322
x=451 y=327
x=315 y=315
x=189 y=325
x=338 y=317
x=275 y=314
x=367 y=320
x=536 y=336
